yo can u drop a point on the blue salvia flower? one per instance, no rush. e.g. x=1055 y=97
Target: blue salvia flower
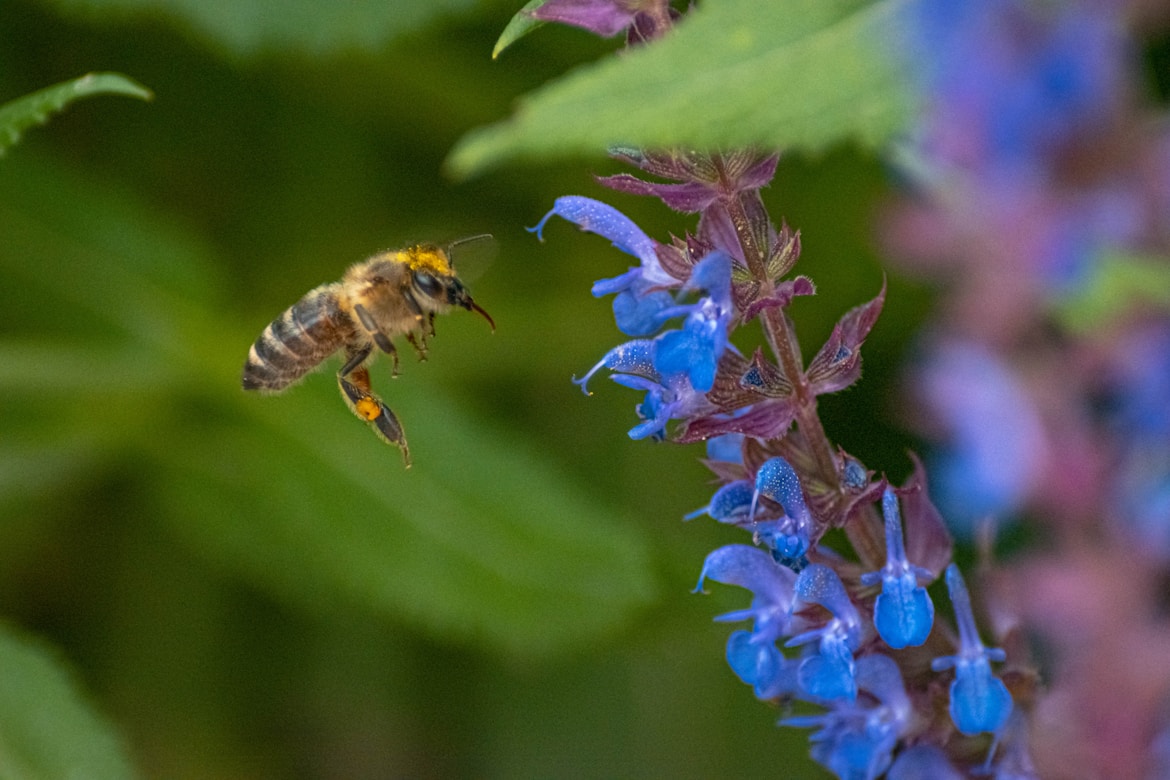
x=903 y=613
x=640 y=297
x=753 y=655
x=637 y=309
x=776 y=480
x=666 y=398
x=772 y=587
x=980 y=702
x=828 y=673
x=677 y=368
x=695 y=350
x=855 y=740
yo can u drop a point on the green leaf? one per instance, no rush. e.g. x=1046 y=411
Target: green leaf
x=520 y=25
x=47 y=728
x=35 y=109
x=246 y=27
x=479 y=541
x=799 y=74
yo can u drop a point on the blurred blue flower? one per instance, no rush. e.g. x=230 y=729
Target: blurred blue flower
x=994 y=451
x=979 y=701
x=903 y=613
x=1140 y=424
x=1015 y=90
x=1013 y=80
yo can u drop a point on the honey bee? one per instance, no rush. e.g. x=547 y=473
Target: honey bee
x=391 y=294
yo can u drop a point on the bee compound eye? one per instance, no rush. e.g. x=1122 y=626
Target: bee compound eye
x=427 y=284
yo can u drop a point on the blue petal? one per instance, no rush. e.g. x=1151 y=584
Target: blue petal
x=638 y=314
x=730 y=502
x=633 y=357
x=751 y=568
x=680 y=352
x=593 y=216
x=903 y=613
x=879 y=675
x=828 y=675
x=777 y=480
x=979 y=700
x=713 y=274
x=856 y=755
x=615 y=284
x=727 y=448
x=821 y=585
x=759 y=664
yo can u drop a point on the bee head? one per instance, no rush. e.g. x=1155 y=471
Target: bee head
x=445 y=289
x=432 y=276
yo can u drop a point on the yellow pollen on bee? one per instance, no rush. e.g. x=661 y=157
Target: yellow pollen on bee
x=427 y=258
x=368 y=408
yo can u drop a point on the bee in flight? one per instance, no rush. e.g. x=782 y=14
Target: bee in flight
x=393 y=293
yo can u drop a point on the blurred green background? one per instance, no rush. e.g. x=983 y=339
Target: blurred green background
x=254 y=587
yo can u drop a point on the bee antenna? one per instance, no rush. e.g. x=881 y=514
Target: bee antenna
x=468 y=240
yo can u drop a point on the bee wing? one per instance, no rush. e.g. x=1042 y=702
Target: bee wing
x=471 y=256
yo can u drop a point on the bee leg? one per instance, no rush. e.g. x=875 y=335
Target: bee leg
x=387 y=346
x=354 y=379
x=381 y=339
x=419 y=344
x=412 y=304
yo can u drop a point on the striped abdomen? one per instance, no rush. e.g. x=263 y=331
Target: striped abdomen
x=295 y=343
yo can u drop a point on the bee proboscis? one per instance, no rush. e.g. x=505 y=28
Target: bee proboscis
x=395 y=293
